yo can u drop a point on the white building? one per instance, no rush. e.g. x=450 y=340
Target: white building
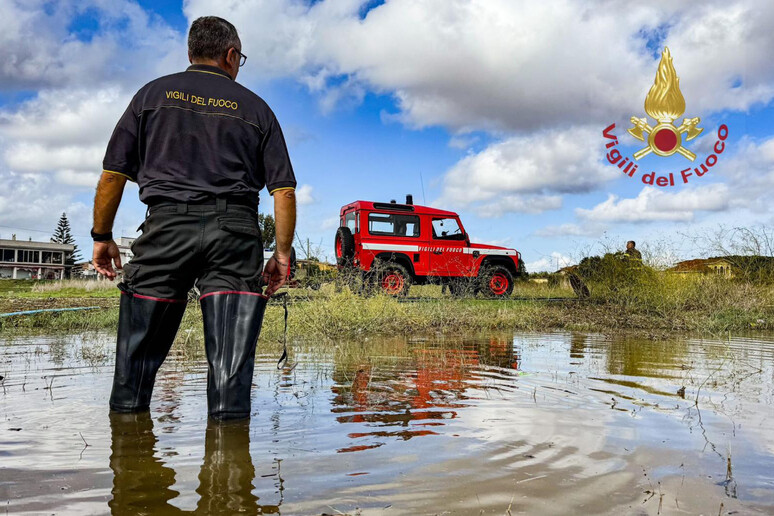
x=86 y=269
x=21 y=259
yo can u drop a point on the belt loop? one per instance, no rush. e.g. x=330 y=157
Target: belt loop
x=220 y=204
x=182 y=208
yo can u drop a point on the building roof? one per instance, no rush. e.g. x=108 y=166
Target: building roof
x=45 y=246
x=698 y=264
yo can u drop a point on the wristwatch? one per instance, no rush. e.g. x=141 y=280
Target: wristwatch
x=101 y=237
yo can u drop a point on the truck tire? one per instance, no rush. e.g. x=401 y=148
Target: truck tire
x=496 y=282
x=344 y=246
x=393 y=279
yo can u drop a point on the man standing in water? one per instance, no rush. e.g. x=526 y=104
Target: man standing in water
x=201 y=147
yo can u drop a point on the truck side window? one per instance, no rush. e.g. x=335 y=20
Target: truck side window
x=350 y=221
x=391 y=224
x=447 y=229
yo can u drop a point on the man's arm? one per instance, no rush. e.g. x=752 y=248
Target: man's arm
x=278 y=266
x=109 y=191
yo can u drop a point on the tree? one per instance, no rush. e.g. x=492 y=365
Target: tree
x=63 y=235
x=268 y=230
x=521 y=272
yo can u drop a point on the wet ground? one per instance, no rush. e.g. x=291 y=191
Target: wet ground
x=531 y=423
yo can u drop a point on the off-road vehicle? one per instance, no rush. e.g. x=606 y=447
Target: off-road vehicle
x=391 y=246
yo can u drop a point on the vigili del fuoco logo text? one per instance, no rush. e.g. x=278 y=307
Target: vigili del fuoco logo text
x=665 y=104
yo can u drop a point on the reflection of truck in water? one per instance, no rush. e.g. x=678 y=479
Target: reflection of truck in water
x=417 y=392
x=392 y=246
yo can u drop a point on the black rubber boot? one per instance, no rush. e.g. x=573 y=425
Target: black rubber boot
x=146 y=330
x=232 y=323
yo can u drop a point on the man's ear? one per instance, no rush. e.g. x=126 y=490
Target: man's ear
x=190 y=59
x=231 y=56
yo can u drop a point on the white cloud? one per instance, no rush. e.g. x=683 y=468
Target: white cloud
x=550 y=263
x=66 y=116
x=524 y=173
x=499 y=242
x=507 y=64
x=83 y=86
x=461 y=141
x=750 y=174
x=129 y=46
x=655 y=204
x=304 y=195
x=62 y=132
x=33 y=203
x=570 y=229
x=717 y=45
x=330 y=223
x=518 y=204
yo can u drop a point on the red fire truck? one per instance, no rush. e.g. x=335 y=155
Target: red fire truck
x=392 y=246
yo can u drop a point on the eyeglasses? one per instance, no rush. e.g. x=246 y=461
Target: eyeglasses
x=242 y=58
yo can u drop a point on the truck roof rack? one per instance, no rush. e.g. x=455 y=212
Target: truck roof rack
x=393 y=206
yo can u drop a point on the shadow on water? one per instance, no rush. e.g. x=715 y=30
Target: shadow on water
x=539 y=423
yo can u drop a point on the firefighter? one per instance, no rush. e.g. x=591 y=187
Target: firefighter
x=200 y=147
x=632 y=252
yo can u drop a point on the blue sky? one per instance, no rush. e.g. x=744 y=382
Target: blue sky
x=488 y=106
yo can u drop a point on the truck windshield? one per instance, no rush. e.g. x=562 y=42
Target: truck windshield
x=447 y=229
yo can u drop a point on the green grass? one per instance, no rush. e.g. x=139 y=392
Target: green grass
x=34 y=289
x=655 y=303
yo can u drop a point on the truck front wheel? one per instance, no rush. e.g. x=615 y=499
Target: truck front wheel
x=393 y=279
x=496 y=282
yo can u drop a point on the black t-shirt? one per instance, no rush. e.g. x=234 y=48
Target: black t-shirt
x=197 y=135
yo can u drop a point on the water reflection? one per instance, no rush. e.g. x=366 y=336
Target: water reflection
x=226 y=477
x=424 y=392
x=438 y=424
x=142 y=483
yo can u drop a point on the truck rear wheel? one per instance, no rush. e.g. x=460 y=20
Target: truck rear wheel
x=393 y=279
x=496 y=282
x=344 y=246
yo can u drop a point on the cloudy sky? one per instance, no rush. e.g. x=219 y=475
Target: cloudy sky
x=492 y=108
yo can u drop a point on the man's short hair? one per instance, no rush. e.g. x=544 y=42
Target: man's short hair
x=631 y=242
x=211 y=37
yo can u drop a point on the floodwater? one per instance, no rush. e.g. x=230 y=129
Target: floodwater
x=554 y=423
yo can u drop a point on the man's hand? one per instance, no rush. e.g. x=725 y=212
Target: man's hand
x=275 y=274
x=105 y=255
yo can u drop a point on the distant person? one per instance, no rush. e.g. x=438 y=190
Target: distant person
x=632 y=252
x=201 y=147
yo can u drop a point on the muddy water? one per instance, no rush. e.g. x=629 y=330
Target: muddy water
x=531 y=423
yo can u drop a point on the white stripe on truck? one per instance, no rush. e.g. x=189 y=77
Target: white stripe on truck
x=391 y=247
x=416 y=248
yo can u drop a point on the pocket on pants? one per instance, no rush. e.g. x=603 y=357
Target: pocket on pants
x=130 y=271
x=240 y=226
